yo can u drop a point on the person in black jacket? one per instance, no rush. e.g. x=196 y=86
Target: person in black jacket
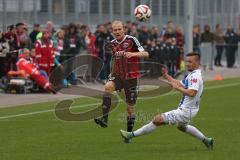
x=196 y=39
x=4 y=48
x=71 y=48
x=144 y=36
x=100 y=42
x=172 y=54
x=108 y=56
x=231 y=39
x=33 y=34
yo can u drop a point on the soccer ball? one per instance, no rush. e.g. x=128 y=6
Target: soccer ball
x=142 y=13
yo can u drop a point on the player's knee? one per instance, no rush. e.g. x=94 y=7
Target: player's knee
x=158 y=120
x=109 y=87
x=181 y=128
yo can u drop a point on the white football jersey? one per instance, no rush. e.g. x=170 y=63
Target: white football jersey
x=192 y=81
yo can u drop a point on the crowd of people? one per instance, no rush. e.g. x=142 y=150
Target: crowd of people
x=205 y=42
x=50 y=47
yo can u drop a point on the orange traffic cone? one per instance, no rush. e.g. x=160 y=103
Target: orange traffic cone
x=218 y=77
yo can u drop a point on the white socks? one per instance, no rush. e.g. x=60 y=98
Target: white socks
x=148 y=128
x=194 y=132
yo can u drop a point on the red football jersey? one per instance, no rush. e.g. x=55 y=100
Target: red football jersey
x=126 y=68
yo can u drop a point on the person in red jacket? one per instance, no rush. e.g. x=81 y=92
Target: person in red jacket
x=126 y=51
x=28 y=69
x=45 y=52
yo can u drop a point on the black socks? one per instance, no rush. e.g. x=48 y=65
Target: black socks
x=106 y=106
x=130 y=122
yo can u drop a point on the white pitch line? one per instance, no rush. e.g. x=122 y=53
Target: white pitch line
x=45 y=111
x=222 y=86
x=94 y=104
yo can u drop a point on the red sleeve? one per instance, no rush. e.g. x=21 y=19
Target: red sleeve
x=38 y=51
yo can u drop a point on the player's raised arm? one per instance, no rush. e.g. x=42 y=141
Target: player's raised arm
x=169 y=78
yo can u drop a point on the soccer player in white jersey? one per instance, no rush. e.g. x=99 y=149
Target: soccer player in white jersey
x=191 y=88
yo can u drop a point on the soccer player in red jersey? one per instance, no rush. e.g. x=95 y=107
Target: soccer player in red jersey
x=127 y=52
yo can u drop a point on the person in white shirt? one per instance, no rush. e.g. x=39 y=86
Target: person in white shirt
x=191 y=87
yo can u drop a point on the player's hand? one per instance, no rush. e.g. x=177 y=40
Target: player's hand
x=129 y=54
x=164 y=72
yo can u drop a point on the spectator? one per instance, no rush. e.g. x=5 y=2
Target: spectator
x=196 y=39
x=128 y=27
x=154 y=33
x=33 y=34
x=58 y=41
x=17 y=41
x=207 y=36
x=170 y=25
x=126 y=30
x=11 y=32
x=72 y=45
x=98 y=30
x=65 y=29
x=50 y=27
x=45 y=52
x=134 y=30
x=219 y=42
x=26 y=41
x=94 y=64
x=100 y=44
x=79 y=28
x=170 y=31
x=153 y=50
x=171 y=56
x=162 y=53
x=108 y=55
x=18 y=37
x=72 y=42
x=180 y=45
x=144 y=36
x=207 y=39
x=231 y=39
x=4 y=49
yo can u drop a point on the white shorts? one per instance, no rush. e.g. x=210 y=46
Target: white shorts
x=179 y=116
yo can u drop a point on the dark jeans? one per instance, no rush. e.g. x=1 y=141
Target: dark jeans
x=230 y=55
x=3 y=67
x=218 y=57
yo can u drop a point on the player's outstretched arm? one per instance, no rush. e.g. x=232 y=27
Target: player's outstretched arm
x=180 y=88
x=142 y=54
x=169 y=78
x=177 y=85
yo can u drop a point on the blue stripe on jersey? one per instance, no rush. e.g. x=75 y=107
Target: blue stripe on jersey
x=185 y=82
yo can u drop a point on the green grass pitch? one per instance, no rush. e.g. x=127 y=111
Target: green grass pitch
x=42 y=136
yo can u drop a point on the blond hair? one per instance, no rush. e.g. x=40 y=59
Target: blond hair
x=116 y=22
